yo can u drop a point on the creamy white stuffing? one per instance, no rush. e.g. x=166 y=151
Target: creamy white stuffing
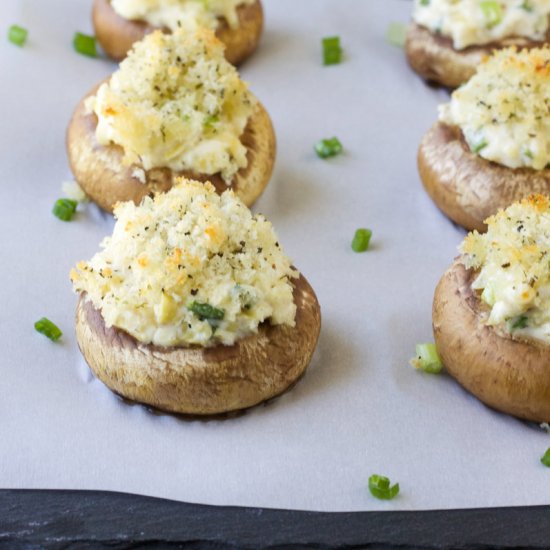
x=513 y=260
x=504 y=110
x=480 y=22
x=189 y=267
x=176 y=102
x=173 y=13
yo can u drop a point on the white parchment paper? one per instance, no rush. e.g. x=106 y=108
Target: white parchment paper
x=360 y=409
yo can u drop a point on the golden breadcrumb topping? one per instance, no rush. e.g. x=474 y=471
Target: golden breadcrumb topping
x=504 y=110
x=513 y=260
x=176 y=102
x=189 y=267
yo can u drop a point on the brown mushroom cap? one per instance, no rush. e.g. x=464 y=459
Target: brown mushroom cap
x=433 y=57
x=465 y=186
x=116 y=34
x=508 y=374
x=197 y=380
x=100 y=172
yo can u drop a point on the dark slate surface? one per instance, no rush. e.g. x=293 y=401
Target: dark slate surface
x=87 y=519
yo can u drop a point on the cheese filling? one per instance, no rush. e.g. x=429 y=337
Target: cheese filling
x=176 y=102
x=189 y=267
x=513 y=259
x=480 y=22
x=174 y=13
x=504 y=110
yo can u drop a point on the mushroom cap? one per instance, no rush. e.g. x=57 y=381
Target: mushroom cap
x=116 y=34
x=466 y=187
x=507 y=373
x=433 y=57
x=202 y=380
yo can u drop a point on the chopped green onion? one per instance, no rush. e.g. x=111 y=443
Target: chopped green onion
x=17 y=35
x=361 y=240
x=47 y=328
x=85 y=44
x=332 y=51
x=545 y=459
x=521 y=321
x=424 y=2
x=492 y=12
x=477 y=146
x=211 y=120
x=379 y=487
x=206 y=312
x=397 y=34
x=64 y=209
x=527 y=5
x=427 y=359
x=328 y=148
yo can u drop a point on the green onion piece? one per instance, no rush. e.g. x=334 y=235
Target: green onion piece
x=379 y=487
x=17 y=35
x=85 y=44
x=361 y=240
x=396 y=34
x=477 y=146
x=545 y=459
x=47 y=328
x=427 y=359
x=527 y=5
x=521 y=321
x=492 y=12
x=64 y=209
x=328 y=148
x=211 y=120
x=206 y=312
x=424 y=2
x=332 y=51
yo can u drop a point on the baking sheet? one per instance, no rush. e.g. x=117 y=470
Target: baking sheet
x=360 y=409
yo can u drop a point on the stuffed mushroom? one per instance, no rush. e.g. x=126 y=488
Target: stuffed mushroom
x=119 y=24
x=192 y=306
x=174 y=108
x=448 y=39
x=491 y=312
x=491 y=144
